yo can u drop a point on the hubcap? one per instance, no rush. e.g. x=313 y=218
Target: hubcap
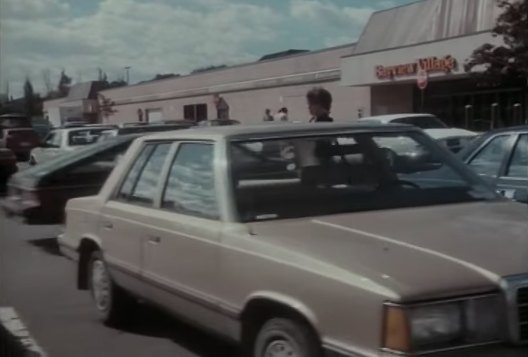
x=100 y=285
x=281 y=348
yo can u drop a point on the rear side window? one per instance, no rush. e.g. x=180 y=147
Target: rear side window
x=489 y=159
x=141 y=182
x=190 y=188
x=518 y=166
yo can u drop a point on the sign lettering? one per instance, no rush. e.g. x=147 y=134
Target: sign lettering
x=445 y=65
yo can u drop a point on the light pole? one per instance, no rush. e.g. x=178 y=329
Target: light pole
x=127 y=74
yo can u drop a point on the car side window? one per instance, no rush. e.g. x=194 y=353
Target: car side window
x=489 y=159
x=190 y=188
x=518 y=166
x=53 y=139
x=142 y=180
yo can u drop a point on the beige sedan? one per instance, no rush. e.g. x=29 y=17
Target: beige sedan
x=308 y=241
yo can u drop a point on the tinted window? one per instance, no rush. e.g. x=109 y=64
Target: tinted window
x=425 y=122
x=190 y=187
x=518 y=166
x=147 y=183
x=489 y=160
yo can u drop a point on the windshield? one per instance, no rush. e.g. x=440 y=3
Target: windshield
x=425 y=122
x=14 y=122
x=305 y=177
x=84 y=136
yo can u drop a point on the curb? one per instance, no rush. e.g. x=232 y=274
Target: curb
x=15 y=338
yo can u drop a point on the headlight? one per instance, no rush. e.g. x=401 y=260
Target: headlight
x=443 y=325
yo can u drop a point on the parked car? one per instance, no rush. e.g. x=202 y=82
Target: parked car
x=17 y=134
x=60 y=141
x=352 y=255
x=107 y=134
x=38 y=195
x=8 y=166
x=453 y=138
x=501 y=157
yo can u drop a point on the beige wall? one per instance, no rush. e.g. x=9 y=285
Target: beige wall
x=249 y=106
x=392 y=99
x=248 y=89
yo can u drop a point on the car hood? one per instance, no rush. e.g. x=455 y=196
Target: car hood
x=417 y=253
x=448 y=133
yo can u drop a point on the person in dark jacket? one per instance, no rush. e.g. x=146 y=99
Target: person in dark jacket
x=319 y=104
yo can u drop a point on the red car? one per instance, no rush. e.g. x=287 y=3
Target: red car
x=8 y=166
x=17 y=134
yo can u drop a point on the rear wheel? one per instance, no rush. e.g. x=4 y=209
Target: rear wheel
x=112 y=302
x=281 y=337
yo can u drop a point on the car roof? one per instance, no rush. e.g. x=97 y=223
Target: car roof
x=511 y=129
x=391 y=117
x=271 y=130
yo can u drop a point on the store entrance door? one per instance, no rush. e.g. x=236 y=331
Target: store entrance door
x=476 y=110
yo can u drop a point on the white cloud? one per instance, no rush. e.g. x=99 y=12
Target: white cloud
x=151 y=36
x=338 y=25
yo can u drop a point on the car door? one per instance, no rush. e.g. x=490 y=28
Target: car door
x=181 y=254
x=126 y=217
x=514 y=174
x=490 y=157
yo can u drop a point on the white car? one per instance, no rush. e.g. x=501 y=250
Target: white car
x=64 y=140
x=453 y=138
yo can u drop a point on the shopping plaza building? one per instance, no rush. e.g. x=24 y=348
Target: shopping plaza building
x=429 y=41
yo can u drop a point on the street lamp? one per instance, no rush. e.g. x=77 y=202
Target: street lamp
x=127 y=74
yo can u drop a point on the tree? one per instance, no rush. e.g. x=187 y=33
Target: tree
x=46 y=78
x=208 y=68
x=29 y=98
x=508 y=61
x=106 y=107
x=64 y=84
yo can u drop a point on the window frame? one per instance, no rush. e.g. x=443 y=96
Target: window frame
x=114 y=196
x=216 y=174
x=512 y=137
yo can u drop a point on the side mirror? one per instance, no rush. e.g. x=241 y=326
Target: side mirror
x=521 y=196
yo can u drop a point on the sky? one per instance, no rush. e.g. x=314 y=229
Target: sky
x=163 y=36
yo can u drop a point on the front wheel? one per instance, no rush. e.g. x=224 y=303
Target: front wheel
x=281 y=337
x=112 y=302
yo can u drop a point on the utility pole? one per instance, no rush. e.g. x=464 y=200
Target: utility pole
x=127 y=74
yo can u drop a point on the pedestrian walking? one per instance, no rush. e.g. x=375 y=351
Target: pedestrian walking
x=267 y=115
x=319 y=104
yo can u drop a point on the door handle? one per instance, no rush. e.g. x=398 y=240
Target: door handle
x=154 y=240
x=108 y=225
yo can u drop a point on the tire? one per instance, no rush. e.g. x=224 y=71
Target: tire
x=281 y=337
x=112 y=303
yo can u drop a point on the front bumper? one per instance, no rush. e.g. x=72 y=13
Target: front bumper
x=486 y=351
x=28 y=215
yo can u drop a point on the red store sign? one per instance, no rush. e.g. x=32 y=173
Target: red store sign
x=445 y=64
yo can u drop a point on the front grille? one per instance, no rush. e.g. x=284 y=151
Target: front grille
x=522 y=313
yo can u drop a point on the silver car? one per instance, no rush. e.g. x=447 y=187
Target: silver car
x=308 y=240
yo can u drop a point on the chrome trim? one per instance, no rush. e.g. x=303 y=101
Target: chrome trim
x=439 y=350
x=510 y=286
x=442 y=301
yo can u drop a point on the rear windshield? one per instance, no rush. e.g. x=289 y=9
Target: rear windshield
x=7 y=122
x=84 y=136
x=425 y=122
